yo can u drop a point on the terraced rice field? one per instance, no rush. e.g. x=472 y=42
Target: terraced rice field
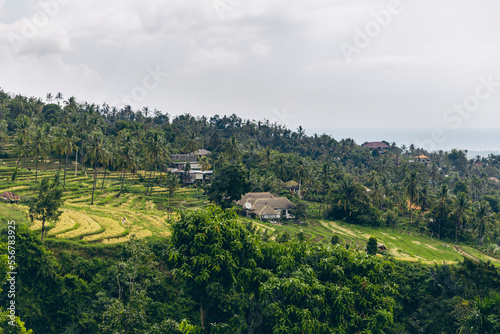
x=145 y=216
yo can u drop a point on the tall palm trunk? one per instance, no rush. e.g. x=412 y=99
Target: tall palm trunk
x=95 y=180
x=123 y=178
x=65 y=167
x=151 y=188
x=410 y=217
x=36 y=169
x=103 y=178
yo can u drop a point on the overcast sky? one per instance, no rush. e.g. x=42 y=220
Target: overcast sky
x=315 y=63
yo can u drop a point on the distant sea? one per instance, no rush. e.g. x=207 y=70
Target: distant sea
x=476 y=141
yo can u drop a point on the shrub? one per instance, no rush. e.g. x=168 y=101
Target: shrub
x=371 y=247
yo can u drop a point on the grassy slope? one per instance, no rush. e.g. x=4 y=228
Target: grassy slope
x=147 y=216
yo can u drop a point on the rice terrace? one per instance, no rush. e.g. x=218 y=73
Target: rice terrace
x=114 y=219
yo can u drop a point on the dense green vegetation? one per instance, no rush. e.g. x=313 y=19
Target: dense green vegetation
x=130 y=248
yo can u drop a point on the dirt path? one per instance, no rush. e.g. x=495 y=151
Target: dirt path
x=460 y=251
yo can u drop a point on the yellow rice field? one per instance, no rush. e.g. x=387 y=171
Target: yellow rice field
x=111 y=227
x=86 y=225
x=64 y=223
x=138 y=231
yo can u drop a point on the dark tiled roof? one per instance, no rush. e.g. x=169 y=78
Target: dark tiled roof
x=376 y=144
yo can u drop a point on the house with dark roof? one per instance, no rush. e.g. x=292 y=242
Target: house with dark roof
x=376 y=145
x=179 y=161
x=264 y=205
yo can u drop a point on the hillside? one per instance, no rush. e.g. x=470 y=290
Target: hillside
x=147 y=216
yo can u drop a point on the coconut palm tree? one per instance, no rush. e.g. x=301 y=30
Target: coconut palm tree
x=460 y=212
x=126 y=154
x=411 y=189
x=156 y=150
x=443 y=202
x=59 y=97
x=424 y=199
x=39 y=146
x=204 y=163
x=192 y=143
x=346 y=190
x=107 y=158
x=95 y=145
x=232 y=149
x=66 y=142
x=483 y=214
x=172 y=182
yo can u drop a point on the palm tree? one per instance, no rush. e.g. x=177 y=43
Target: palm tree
x=191 y=143
x=59 y=97
x=21 y=148
x=267 y=156
x=107 y=158
x=346 y=193
x=204 y=163
x=302 y=172
x=280 y=166
x=94 y=148
x=39 y=146
x=424 y=199
x=232 y=149
x=156 y=150
x=411 y=189
x=66 y=141
x=126 y=154
x=172 y=183
x=4 y=135
x=460 y=212
x=49 y=97
x=483 y=214
x=443 y=197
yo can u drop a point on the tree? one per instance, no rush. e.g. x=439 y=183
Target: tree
x=95 y=146
x=4 y=135
x=172 y=183
x=443 y=203
x=460 y=212
x=211 y=247
x=126 y=154
x=483 y=317
x=411 y=189
x=66 y=143
x=40 y=146
x=204 y=163
x=483 y=214
x=228 y=185
x=45 y=206
x=127 y=313
x=232 y=149
x=371 y=247
x=191 y=143
x=156 y=151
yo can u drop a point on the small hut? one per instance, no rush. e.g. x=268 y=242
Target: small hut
x=9 y=197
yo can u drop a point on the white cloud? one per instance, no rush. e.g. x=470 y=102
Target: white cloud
x=269 y=52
